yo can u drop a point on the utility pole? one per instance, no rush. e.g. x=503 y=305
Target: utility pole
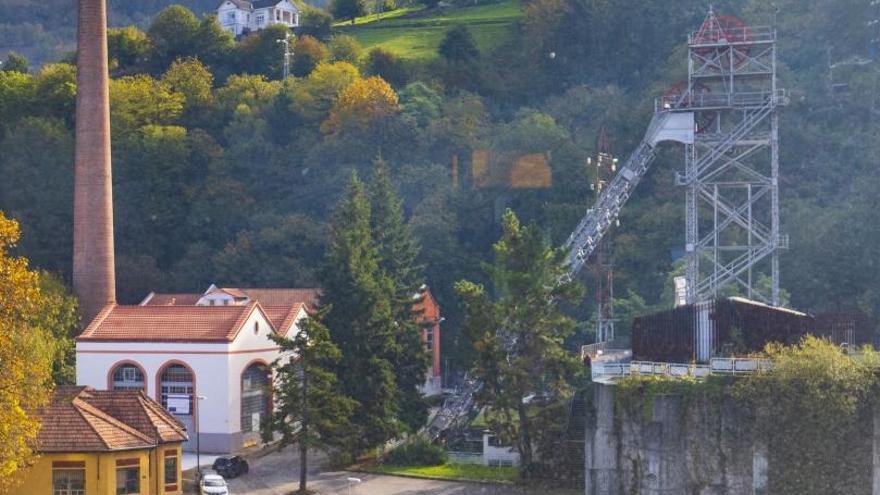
x=285 y=71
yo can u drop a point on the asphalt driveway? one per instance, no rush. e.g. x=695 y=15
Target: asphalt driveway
x=278 y=474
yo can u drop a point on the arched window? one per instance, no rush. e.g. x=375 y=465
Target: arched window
x=128 y=376
x=255 y=397
x=176 y=390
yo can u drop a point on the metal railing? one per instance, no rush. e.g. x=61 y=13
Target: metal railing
x=603 y=371
x=465 y=457
x=705 y=100
x=732 y=36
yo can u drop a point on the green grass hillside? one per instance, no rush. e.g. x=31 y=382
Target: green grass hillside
x=417 y=34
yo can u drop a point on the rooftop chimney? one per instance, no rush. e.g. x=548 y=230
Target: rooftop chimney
x=94 y=279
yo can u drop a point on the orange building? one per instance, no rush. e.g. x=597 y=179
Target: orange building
x=429 y=316
x=99 y=442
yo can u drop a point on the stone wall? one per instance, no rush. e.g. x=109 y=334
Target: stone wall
x=683 y=446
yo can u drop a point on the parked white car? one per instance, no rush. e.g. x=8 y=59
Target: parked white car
x=213 y=484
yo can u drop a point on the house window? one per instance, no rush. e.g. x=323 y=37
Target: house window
x=255 y=398
x=177 y=381
x=128 y=480
x=128 y=377
x=277 y=15
x=68 y=481
x=429 y=340
x=256 y=327
x=260 y=19
x=171 y=469
x=231 y=16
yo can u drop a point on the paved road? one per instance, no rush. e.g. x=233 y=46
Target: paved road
x=278 y=474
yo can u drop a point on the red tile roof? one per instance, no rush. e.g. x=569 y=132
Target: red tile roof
x=282 y=317
x=266 y=297
x=168 y=323
x=179 y=299
x=80 y=419
x=284 y=297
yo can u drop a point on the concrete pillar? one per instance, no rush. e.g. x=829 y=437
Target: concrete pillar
x=94 y=278
x=665 y=448
x=876 y=463
x=759 y=468
x=601 y=446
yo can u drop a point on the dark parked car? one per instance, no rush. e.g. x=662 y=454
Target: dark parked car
x=230 y=467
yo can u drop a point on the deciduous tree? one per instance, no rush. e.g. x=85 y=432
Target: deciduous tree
x=173 y=34
x=361 y=104
x=347 y=9
x=15 y=63
x=26 y=354
x=308 y=52
x=344 y=48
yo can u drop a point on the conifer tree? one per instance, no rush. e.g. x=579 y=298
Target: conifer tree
x=518 y=336
x=361 y=320
x=311 y=409
x=398 y=253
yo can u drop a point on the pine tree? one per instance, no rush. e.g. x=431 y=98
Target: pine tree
x=311 y=409
x=398 y=253
x=518 y=336
x=361 y=320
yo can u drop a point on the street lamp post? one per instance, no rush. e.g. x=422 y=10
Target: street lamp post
x=198 y=440
x=352 y=481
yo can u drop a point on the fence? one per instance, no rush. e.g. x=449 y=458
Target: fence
x=607 y=372
x=465 y=457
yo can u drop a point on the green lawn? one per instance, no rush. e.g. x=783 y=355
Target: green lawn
x=391 y=14
x=415 y=34
x=470 y=472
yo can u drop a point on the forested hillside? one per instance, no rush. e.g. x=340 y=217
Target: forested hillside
x=44 y=31
x=224 y=173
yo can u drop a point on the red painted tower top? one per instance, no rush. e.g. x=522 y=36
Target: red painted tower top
x=94 y=278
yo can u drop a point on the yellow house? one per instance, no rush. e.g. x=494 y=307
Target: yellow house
x=99 y=442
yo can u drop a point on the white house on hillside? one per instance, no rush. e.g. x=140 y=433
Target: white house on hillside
x=244 y=16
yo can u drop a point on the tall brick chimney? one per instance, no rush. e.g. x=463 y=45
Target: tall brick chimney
x=94 y=277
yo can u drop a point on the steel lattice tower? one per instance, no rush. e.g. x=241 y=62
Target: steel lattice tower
x=732 y=168
x=603 y=267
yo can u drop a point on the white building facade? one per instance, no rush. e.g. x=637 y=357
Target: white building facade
x=243 y=16
x=179 y=354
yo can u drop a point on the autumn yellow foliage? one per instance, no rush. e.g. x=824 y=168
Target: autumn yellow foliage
x=362 y=103
x=26 y=354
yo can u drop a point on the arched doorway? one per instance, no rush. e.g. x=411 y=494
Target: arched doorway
x=176 y=391
x=256 y=397
x=128 y=376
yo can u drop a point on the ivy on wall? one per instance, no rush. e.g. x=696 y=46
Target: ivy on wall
x=813 y=411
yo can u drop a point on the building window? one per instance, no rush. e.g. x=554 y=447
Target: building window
x=277 y=15
x=128 y=480
x=429 y=340
x=260 y=19
x=68 y=482
x=231 y=16
x=255 y=398
x=128 y=377
x=171 y=468
x=256 y=327
x=176 y=382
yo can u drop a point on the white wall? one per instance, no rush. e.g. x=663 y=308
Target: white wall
x=493 y=455
x=237 y=26
x=217 y=368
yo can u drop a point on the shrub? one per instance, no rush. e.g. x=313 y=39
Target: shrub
x=417 y=452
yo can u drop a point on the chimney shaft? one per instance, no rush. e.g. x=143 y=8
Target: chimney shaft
x=94 y=278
